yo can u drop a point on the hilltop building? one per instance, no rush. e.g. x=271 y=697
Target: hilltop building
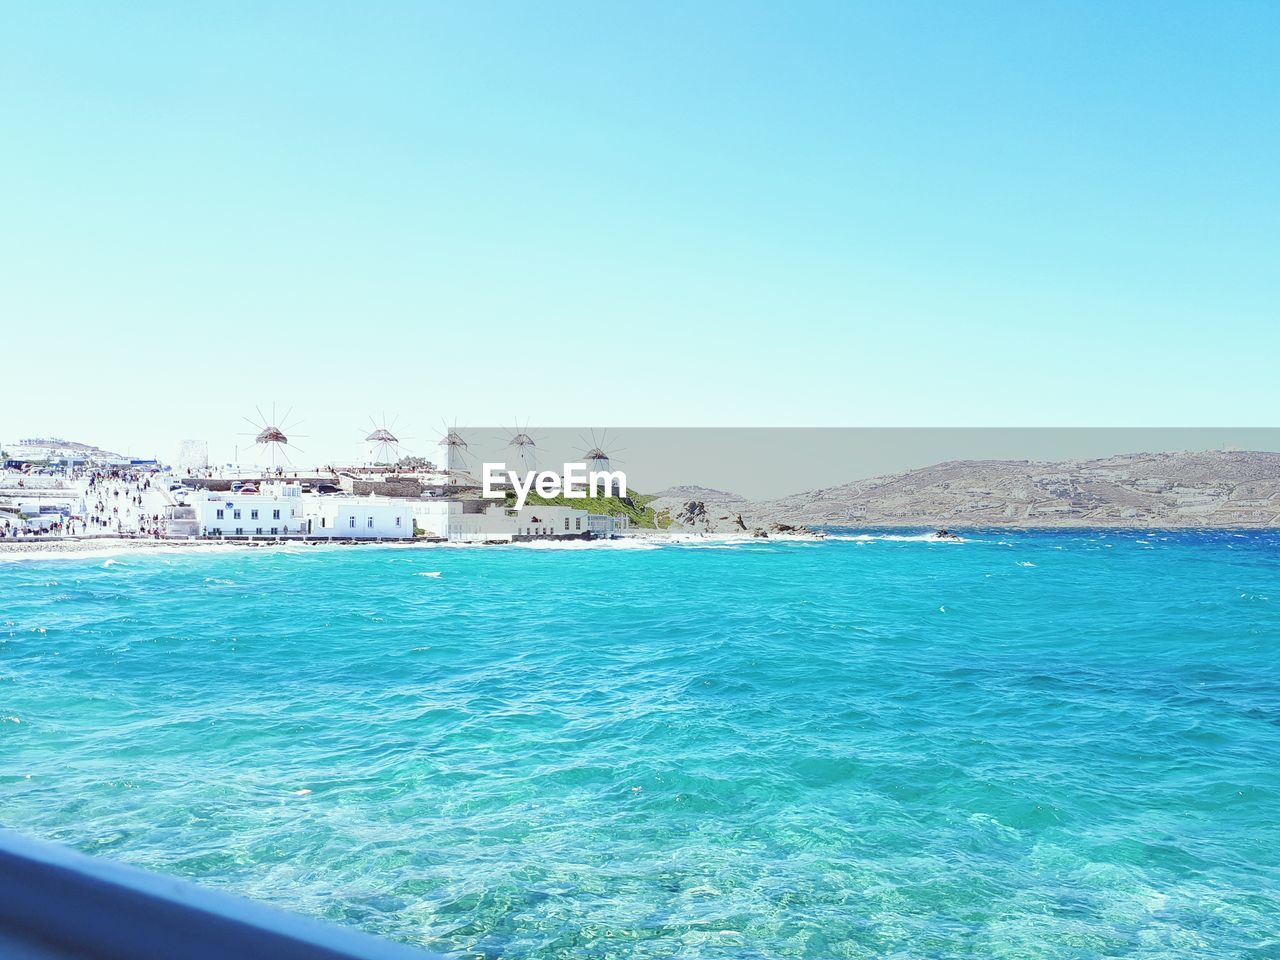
x=54 y=452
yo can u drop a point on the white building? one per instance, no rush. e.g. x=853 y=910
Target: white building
x=451 y=520
x=282 y=510
x=546 y=521
x=52 y=505
x=606 y=527
x=344 y=517
x=511 y=524
x=274 y=512
x=434 y=517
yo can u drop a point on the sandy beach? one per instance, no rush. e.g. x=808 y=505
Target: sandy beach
x=37 y=547
x=22 y=545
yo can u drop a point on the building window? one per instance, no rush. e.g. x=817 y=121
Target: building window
x=370 y=523
x=275 y=530
x=397 y=521
x=566 y=523
x=351 y=521
x=239 y=531
x=221 y=514
x=275 y=514
x=236 y=515
x=577 y=523
x=253 y=514
x=258 y=531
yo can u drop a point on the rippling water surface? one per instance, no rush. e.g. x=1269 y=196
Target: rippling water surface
x=1023 y=745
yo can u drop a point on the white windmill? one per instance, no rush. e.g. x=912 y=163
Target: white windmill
x=270 y=438
x=384 y=445
x=453 y=454
x=525 y=449
x=596 y=454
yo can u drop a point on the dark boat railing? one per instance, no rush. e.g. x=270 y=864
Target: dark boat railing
x=56 y=903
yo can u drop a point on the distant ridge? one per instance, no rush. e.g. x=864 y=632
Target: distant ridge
x=1190 y=489
x=56 y=447
x=691 y=491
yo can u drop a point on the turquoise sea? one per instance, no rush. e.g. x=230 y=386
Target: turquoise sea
x=1023 y=745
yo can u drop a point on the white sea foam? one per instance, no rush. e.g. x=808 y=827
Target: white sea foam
x=99 y=553
x=897 y=538
x=429 y=573
x=624 y=544
x=730 y=541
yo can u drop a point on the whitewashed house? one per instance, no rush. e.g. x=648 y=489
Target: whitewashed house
x=510 y=524
x=545 y=521
x=433 y=517
x=282 y=510
x=605 y=527
x=451 y=520
x=358 y=518
x=275 y=511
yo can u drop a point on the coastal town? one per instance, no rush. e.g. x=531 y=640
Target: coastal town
x=65 y=495
x=57 y=490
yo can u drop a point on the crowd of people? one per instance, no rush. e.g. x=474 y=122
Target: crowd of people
x=117 y=503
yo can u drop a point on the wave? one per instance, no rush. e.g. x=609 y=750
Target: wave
x=624 y=544
x=897 y=538
x=147 y=549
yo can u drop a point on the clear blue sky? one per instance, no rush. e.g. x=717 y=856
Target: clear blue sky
x=646 y=214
